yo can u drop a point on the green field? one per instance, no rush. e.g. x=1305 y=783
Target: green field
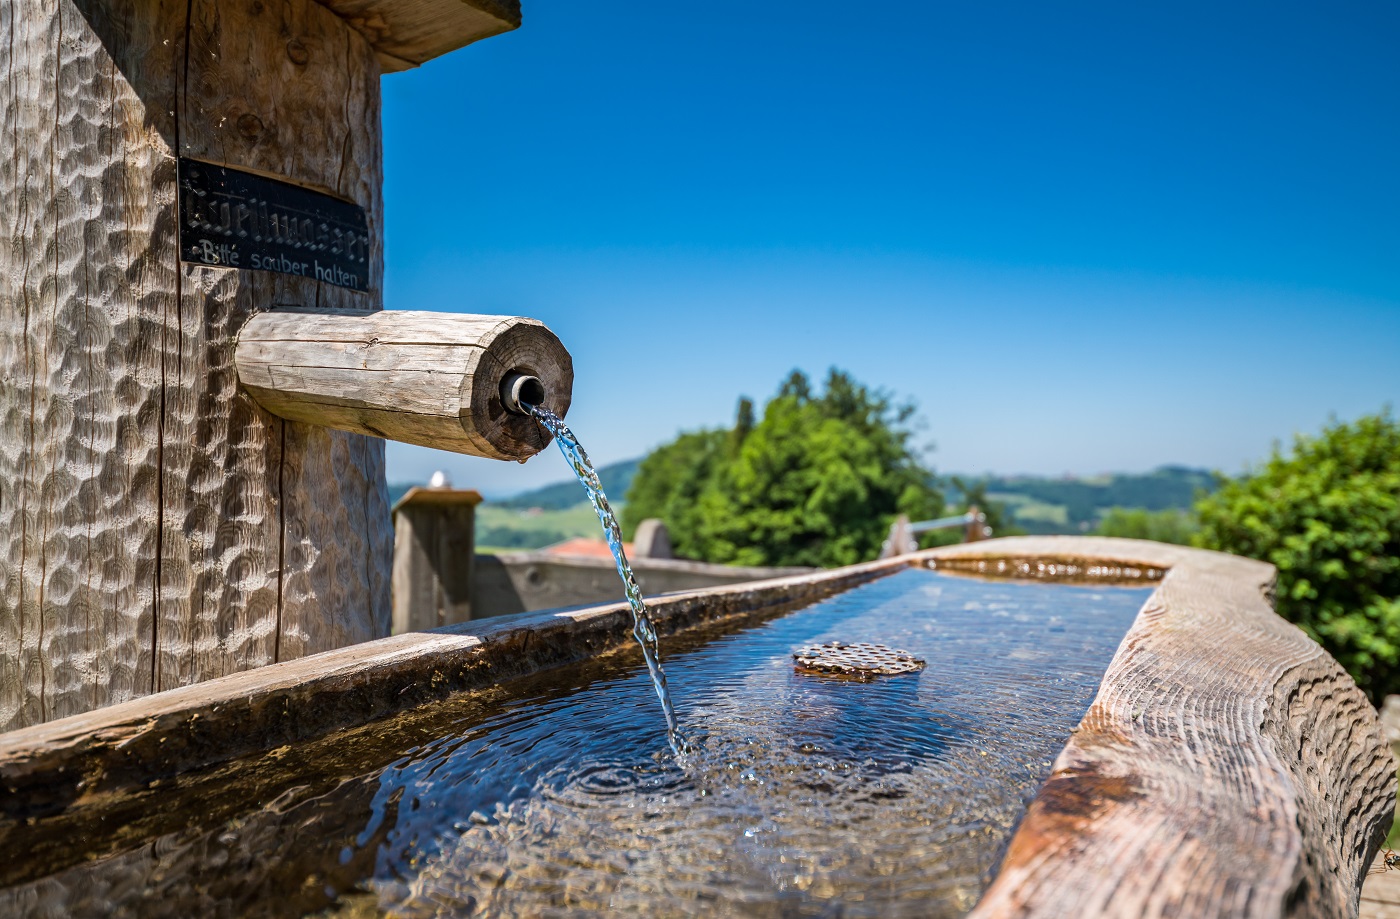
x=1078 y=504
x=508 y=528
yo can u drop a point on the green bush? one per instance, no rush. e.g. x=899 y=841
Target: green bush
x=815 y=481
x=1328 y=517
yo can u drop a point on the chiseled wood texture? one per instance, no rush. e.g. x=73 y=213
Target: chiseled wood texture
x=1228 y=766
x=285 y=89
x=407 y=33
x=158 y=527
x=432 y=379
x=88 y=281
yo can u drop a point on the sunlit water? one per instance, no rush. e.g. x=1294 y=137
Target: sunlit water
x=803 y=796
x=642 y=627
x=557 y=795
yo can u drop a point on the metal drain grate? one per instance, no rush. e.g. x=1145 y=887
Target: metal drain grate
x=861 y=660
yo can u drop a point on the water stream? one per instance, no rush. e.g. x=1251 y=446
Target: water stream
x=643 y=629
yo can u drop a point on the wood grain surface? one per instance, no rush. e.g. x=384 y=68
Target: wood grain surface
x=88 y=281
x=434 y=558
x=159 y=527
x=432 y=379
x=1228 y=766
x=1380 y=895
x=406 y=33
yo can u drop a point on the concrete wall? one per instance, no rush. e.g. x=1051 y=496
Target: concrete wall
x=517 y=582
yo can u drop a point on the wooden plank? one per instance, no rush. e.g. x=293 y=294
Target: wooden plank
x=432 y=379
x=255 y=97
x=87 y=286
x=407 y=33
x=1380 y=895
x=1372 y=909
x=1228 y=766
x=434 y=551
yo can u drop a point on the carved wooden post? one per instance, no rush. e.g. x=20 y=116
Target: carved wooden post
x=653 y=540
x=899 y=541
x=434 y=549
x=173 y=167
x=977 y=528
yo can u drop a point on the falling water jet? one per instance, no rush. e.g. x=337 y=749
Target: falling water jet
x=643 y=629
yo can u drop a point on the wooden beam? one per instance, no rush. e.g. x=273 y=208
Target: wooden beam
x=406 y=33
x=432 y=379
x=157 y=527
x=434 y=552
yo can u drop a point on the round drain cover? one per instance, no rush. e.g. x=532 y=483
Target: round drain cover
x=861 y=660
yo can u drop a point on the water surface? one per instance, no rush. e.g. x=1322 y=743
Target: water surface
x=558 y=794
x=805 y=795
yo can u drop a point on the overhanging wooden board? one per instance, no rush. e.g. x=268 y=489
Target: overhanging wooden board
x=406 y=33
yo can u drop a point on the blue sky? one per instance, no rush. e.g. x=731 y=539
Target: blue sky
x=1083 y=238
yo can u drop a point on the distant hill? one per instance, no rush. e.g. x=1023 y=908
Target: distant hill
x=543 y=516
x=1075 y=505
x=556 y=512
x=616 y=479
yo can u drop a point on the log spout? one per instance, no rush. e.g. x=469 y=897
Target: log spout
x=433 y=379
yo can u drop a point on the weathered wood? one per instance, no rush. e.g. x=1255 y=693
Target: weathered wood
x=1228 y=766
x=407 y=33
x=251 y=102
x=434 y=536
x=432 y=379
x=1380 y=896
x=158 y=526
x=88 y=289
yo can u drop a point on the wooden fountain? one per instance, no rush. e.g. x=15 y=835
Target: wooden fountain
x=1227 y=767
x=195 y=384
x=195 y=375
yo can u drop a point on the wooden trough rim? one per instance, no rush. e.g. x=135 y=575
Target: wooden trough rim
x=1227 y=767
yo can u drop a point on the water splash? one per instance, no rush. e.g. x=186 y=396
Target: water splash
x=643 y=629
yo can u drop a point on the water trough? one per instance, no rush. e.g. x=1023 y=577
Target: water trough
x=1226 y=766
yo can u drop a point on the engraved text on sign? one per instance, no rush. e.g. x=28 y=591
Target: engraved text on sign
x=236 y=219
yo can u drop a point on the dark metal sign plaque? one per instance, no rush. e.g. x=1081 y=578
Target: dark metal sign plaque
x=236 y=219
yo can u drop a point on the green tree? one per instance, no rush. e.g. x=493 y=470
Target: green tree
x=1174 y=526
x=668 y=485
x=815 y=481
x=1328 y=517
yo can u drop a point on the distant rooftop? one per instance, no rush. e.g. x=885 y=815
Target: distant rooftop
x=585 y=547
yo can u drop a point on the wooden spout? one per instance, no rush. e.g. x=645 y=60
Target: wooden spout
x=432 y=379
